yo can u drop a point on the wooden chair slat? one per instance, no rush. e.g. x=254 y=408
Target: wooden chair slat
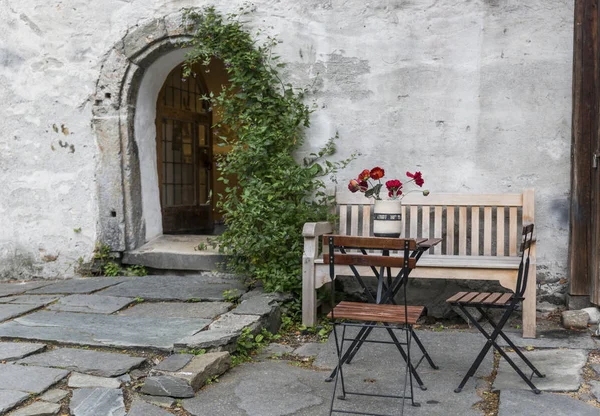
x=492 y=298
x=426 y=243
x=480 y=297
x=350 y=241
x=450 y=230
x=468 y=297
x=500 y=231
x=369 y=260
x=474 y=231
x=512 y=231
x=368 y=312
x=366 y=225
x=343 y=219
x=456 y=297
x=487 y=231
x=502 y=300
x=462 y=230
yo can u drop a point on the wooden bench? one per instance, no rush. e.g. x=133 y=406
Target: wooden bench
x=481 y=238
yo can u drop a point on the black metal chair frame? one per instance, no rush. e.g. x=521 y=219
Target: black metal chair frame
x=497 y=327
x=386 y=292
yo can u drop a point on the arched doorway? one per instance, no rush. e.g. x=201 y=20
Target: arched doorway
x=184 y=154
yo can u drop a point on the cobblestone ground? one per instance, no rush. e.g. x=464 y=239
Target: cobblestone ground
x=159 y=345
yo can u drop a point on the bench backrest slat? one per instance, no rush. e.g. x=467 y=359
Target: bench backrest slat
x=468 y=224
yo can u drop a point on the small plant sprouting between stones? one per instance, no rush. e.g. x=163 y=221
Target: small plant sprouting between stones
x=138 y=299
x=248 y=344
x=231 y=295
x=195 y=351
x=104 y=263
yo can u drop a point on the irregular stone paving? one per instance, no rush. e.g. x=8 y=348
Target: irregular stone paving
x=34 y=380
x=182 y=288
x=8 y=311
x=35 y=299
x=78 y=380
x=204 y=310
x=54 y=395
x=38 y=409
x=174 y=362
x=96 y=363
x=142 y=408
x=97 y=402
x=72 y=286
x=562 y=367
x=91 y=304
x=526 y=403
x=8 y=289
x=11 y=351
x=103 y=330
x=10 y=399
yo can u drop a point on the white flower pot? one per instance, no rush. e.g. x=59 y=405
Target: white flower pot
x=387 y=218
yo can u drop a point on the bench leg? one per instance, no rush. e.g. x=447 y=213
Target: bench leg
x=529 y=304
x=309 y=293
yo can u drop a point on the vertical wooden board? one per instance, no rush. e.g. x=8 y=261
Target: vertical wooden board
x=414 y=221
x=514 y=237
x=449 y=230
x=343 y=219
x=475 y=231
x=404 y=225
x=366 y=217
x=462 y=231
x=354 y=220
x=500 y=231
x=425 y=221
x=437 y=228
x=487 y=231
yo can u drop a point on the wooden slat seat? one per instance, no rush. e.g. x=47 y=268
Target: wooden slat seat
x=367 y=312
x=479 y=298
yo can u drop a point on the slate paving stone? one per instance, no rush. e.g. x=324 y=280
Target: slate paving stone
x=38 y=409
x=221 y=338
x=10 y=399
x=595 y=389
x=166 y=385
x=204 y=310
x=96 y=363
x=54 y=395
x=97 y=402
x=174 y=362
x=182 y=288
x=310 y=349
x=274 y=350
x=8 y=289
x=29 y=379
x=8 y=311
x=162 y=401
x=78 y=381
x=91 y=304
x=563 y=370
x=81 y=286
x=102 y=330
x=525 y=403
x=11 y=351
x=29 y=299
x=142 y=408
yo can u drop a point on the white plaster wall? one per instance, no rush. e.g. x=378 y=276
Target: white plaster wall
x=475 y=94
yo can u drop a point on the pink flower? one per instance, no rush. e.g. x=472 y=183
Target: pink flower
x=417 y=177
x=353 y=186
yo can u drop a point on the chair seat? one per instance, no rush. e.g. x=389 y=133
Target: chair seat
x=368 y=312
x=481 y=298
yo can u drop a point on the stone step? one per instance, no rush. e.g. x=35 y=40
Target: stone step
x=177 y=252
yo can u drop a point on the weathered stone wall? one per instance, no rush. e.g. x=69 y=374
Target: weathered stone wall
x=475 y=94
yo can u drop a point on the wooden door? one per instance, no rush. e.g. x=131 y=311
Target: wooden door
x=184 y=154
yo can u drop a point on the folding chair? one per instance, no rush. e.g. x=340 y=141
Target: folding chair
x=507 y=301
x=369 y=316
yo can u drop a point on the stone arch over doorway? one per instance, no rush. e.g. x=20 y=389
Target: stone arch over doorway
x=130 y=74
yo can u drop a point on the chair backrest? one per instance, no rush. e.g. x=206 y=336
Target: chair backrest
x=524 y=265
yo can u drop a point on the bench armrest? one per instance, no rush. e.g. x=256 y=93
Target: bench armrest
x=316 y=229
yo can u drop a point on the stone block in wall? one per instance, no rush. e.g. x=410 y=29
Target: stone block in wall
x=136 y=41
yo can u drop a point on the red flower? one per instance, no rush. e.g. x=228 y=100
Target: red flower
x=391 y=194
x=418 y=178
x=353 y=185
x=363 y=186
x=393 y=185
x=377 y=173
x=364 y=175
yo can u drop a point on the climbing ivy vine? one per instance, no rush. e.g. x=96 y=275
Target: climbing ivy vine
x=275 y=195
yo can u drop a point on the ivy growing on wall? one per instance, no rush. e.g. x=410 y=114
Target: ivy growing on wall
x=275 y=195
